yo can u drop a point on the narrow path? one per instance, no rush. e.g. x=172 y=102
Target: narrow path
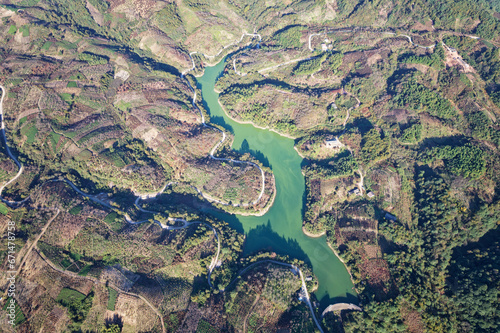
x=7 y=149
x=249 y=313
x=35 y=242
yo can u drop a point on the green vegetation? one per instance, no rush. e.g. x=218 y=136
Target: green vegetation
x=334 y=60
x=85 y=270
x=342 y=165
x=30 y=132
x=374 y=147
x=76 y=210
x=480 y=125
x=46 y=45
x=113 y=328
x=92 y=59
x=19 y=315
x=12 y=29
x=289 y=37
x=467 y=160
x=412 y=134
x=168 y=18
x=54 y=139
x=113 y=294
x=420 y=98
x=205 y=327
x=78 y=304
x=422 y=139
x=3 y=209
x=25 y=30
x=308 y=67
x=434 y=59
x=111 y=217
x=68 y=98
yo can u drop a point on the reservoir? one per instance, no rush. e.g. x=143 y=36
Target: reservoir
x=280 y=229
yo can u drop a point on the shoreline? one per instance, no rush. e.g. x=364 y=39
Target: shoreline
x=298 y=152
x=310 y=234
x=264 y=210
x=345 y=265
x=247 y=122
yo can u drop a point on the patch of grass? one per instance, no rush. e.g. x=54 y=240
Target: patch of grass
x=30 y=132
x=12 y=29
x=76 y=210
x=46 y=45
x=205 y=327
x=67 y=45
x=68 y=98
x=68 y=294
x=78 y=304
x=123 y=106
x=25 y=29
x=29 y=3
x=65 y=263
x=85 y=270
x=19 y=315
x=113 y=294
x=84 y=155
x=72 y=84
x=54 y=139
x=3 y=209
x=110 y=218
x=22 y=120
x=53 y=253
x=76 y=77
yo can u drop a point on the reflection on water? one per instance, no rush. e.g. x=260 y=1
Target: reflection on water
x=280 y=229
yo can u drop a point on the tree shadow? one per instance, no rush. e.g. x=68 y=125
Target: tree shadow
x=264 y=234
x=115 y=320
x=348 y=298
x=363 y=125
x=245 y=148
x=456 y=140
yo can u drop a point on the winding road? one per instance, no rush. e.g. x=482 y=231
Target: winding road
x=185 y=224
x=214 y=149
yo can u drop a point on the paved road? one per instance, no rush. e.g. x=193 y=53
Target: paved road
x=7 y=149
x=295 y=269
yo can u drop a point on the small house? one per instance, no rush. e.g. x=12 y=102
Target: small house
x=333 y=143
x=370 y=194
x=354 y=191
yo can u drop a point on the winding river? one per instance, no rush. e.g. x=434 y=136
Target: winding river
x=280 y=229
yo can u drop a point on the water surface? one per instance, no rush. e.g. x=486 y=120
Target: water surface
x=280 y=229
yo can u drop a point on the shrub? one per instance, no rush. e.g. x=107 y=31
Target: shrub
x=374 y=148
x=310 y=66
x=92 y=59
x=467 y=160
x=412 y=134
x=289 y=37
x=420 y=98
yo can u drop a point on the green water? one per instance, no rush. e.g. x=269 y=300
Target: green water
x=280 y=229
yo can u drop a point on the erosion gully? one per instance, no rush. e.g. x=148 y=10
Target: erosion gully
x=280 y=229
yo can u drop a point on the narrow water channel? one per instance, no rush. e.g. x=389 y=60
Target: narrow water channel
x=280 y=229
